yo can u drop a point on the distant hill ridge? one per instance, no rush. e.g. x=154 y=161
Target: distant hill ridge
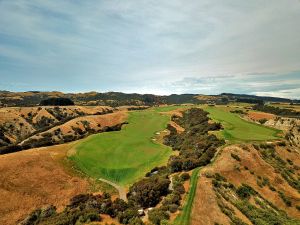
x=33 y=98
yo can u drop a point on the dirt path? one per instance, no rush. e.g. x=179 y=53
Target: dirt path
x=121 y=190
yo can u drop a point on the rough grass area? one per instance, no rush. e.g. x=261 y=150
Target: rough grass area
x=237 y=129
x=125 y=156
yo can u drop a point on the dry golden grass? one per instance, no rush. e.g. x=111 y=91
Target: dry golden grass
x=35 y=178
x=19 y=122
x=96 y=122
x=205 y=209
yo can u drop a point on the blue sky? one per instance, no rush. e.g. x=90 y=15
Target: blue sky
x=161 y=47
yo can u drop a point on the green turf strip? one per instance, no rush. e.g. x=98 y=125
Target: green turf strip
x=184 y=217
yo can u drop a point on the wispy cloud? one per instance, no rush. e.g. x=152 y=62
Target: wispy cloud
x=147 y=45
x=284 y=85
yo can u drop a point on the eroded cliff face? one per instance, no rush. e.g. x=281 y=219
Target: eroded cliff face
x=290 y=126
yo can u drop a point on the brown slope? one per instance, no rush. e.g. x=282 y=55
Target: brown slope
x=247 y=171
x=34 y=178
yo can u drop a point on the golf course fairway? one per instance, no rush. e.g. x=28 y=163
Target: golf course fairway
x=237 y=129
x=125 y=156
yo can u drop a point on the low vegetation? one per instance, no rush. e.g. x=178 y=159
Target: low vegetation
x=148 y=191
x=85 y=208
x=261 y=213
x=287 y=171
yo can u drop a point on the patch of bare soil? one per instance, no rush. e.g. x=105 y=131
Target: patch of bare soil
x=290 y=126
x=35 y=178
x=260 y=115
x=176 y=112
x=178 y=128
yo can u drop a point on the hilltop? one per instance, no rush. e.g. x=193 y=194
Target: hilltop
x=114 y=99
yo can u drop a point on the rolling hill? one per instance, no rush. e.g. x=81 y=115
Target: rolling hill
x=114 y=99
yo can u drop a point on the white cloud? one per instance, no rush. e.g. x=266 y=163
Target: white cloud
x=114 y=44
x=289 y=93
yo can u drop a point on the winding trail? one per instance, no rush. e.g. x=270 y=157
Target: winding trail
x=120 y=189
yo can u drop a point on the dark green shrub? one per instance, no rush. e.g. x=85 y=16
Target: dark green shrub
x=148 y=191
x=285 y=198
x=290 y=161
x=173 y=208
x=272 y=188
x=245 y=191
x=173 y=198
x=179 y=188
x=127 y=215
x=219 y=177
x=136 y=221
x=262 y=121
x=157 y=215
x=89 y=217
x=235 y=156
x=185 y=176
x=282 y=143
x=119 y=205
x=216 y=183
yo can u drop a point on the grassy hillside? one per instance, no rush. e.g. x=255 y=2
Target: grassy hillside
x=126 y=155
x=237 y=129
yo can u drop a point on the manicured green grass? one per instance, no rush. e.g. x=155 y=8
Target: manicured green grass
x=184 y=217
x=237 y=129
x=125 y=156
